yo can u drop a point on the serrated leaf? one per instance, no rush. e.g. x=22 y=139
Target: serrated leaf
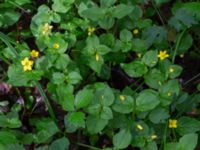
x=135 y=68
x=147 y=100
x=121 y=10
x=95 y=124
x=122 y=139
x=83 y=98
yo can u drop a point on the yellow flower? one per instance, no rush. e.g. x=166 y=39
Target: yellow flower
x=139 y=55
x=56 y=45
x=162 y=55
x=135 y=31
x=153 y=137
x=46 y=29
x=171 y=70
x=91 y=30
x=27 y=64
x=34 y=53
x=139 y=127
x=169 y=94
x=182 y=55
x=97 y=57
x=159 y=82
x=122 y=97
x=172 y=123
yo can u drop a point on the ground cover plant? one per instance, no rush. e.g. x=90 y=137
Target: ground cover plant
x=99 y=74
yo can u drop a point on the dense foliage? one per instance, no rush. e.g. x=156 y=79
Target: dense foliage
x=99 y=74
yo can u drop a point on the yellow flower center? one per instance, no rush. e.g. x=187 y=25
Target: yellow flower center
x=182 y=55
x=97 y=57
x=172 y=123
x=139 y=55
x=34 y=53
x=169 y=94
x=162 y=55
x=135 y=31
x=171 y=70
x=139 y=127
x=46 y=29
x=159 y=82
x=153 y=137
x=27 y=64
x=91 y=30
x=122 y=97
x=56 y=45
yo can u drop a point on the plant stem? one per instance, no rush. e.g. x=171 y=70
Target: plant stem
x=88 y=146
x=157 y=11
x=46 y=100
x=177 y=44
x=174 y=135
x=188 y=81
x=4 y=59
x=18 y=6
x=5 y=39
x=163 y=144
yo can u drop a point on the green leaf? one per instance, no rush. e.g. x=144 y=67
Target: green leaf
x=121 y=10
x=62 y=6
x=170 y=146
x=7 y=137
x=107 y=39
x=65 y=97
x=125 y=35
x=139 y=46
x=185 y=43
x=159 y=115
x=168 y=90
x=95 y=124
x=16 y=76
x=74 y=120
x=158 y=2
x=150 y=146
x=14 y=146
x=62 y=61
x=106 y=113
x=106 y=23
x=94 y=109
x=147 y=100
x=58 y=78
x=188 y=142
x=150 y=58
x=154 y=34
x=182 y=19
x=104 y=94
x=154 y=78
x=94 y=64
x=60 y=144
x=122 y=139
x=123 y=104
x=94 y=13
x=198 y=87
x=22 y=2
x=107 y=3
x=135 y=68
x=74 y=77
x=8 y=17
x=176 y=71
x=45 y=127
x=187 y=125
x=11 y=120
x=83 y=98
x=136 y=14
x=193 y=7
